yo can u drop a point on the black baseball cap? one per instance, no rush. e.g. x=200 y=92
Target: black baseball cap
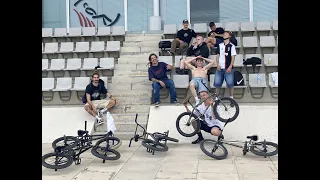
x=211 y=24
x=185 y=21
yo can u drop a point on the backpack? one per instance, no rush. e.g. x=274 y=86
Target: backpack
x=238 y=79
x=164 y=44
x=233 y=40
x=252 y=61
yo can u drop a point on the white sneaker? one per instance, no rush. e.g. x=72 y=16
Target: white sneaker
x=100 y=121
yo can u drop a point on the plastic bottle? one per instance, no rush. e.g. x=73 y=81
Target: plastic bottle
x=259 y=78
x=269 y=60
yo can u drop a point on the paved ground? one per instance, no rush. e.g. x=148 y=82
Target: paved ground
x=181 y=161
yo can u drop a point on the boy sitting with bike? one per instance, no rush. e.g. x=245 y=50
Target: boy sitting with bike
x=209 y=124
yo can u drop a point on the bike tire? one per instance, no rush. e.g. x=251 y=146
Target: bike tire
x=179 y=128
x=171 y=139
x=67 y=164
x=259 y=153
x=151 y=144
x=96 y=148
x=73 y=139
x=232 y=101
x=111 y=140
x=205 y=151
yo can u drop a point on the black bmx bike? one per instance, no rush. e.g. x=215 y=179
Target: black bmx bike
x=225 y=109
x=67 y=149
x=212 y=147
x=158 y=141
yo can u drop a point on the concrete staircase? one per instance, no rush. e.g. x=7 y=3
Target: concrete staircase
x=130 y=84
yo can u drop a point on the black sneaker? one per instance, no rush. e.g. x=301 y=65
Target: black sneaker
x=197 y=141
x=175 y=102
x=157 y=104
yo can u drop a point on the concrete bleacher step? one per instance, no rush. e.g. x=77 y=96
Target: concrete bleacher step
x=143 y=38
x=130 y=109
x=125 y=67
x=140 y=44
x=138 y=54
x=129 y=86
x=131 y=93
x=133 y=60
x=145 y=100
x=131 y=73
x=129 y=79
x=138 y=49
x=146 y=34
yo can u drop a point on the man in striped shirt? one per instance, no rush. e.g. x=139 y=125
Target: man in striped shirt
x=226 y=53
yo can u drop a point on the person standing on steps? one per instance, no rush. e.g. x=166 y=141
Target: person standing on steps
x=209 y=124
x=92 y=97
x=183 y=38
x=158 y=75
x=226 y=53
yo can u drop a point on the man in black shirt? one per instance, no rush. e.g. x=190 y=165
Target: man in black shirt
x=92 y=97
x=183 y=38
x=215 y=36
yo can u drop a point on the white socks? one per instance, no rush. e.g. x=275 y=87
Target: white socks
x=197 y=100
x=97 y=117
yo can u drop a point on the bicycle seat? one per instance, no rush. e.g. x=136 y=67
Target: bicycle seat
x=82 y=132
x=253 y=137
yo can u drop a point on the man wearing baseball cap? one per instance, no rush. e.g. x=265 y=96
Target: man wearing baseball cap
x=183 y=38
x=215 y=36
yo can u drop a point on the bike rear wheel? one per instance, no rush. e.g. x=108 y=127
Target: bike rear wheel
x=100 y=149
x=182 y=124
x=151 y=144
x=114 y=142
x=70 y=142
x=260 y=148
x=226 y=108
x=61 y=160
x=207 y=146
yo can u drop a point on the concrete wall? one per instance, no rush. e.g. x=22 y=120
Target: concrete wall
x=253 y=119
x=60 y=121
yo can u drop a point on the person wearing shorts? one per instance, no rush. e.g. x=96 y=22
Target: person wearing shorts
x=226 y=53
x=209 y=124
x=92 y=97
x=199 y=75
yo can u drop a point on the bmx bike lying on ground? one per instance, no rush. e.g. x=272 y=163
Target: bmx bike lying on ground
x=194 y=117
x=158 y=141
x=67 y=149
x=210 y=147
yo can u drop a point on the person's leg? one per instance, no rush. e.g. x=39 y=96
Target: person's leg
x=218 y=80
x=210 y=42
x=193 y=85
x=203 y=127
x=230 y=82
x=174 y=44
x=89 y=109
x=156 y=92
x=172 y=90
x=215 y=131
x=183 y=48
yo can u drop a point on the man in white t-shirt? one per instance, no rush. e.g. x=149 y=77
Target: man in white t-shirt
x=210 y=124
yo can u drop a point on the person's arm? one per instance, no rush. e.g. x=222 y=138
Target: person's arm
x=194 y=34
x=233 y=56
x=168 y=66
x=210 y=64
x=178 y=36
x=188 y=63
x=88 y=95
x=151 y=76
x=204 y=51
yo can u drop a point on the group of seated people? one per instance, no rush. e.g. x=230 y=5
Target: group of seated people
x=197 y=61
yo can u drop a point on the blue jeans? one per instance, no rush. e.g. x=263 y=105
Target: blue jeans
x=170 y=85
x=221 y=75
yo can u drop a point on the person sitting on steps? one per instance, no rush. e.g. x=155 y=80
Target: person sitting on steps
x=92 y=97
x=210 y=124
x=158 y=75
x=199 y=75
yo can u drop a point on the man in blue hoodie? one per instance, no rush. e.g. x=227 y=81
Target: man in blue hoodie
x=92 y=97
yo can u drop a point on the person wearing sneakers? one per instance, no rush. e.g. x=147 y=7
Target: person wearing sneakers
x=209 y=124
x=92 y=97
x=158 y=75
x=226 y=53
x=199 y=75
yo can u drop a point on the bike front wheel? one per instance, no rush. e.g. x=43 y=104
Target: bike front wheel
x=114 y=142
x=102 y=151
x=187 y=124
x=226 y=108
x=260 y=148
x=59 y=160
x=214 y=150
x=70 y=142
x=153 y=145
